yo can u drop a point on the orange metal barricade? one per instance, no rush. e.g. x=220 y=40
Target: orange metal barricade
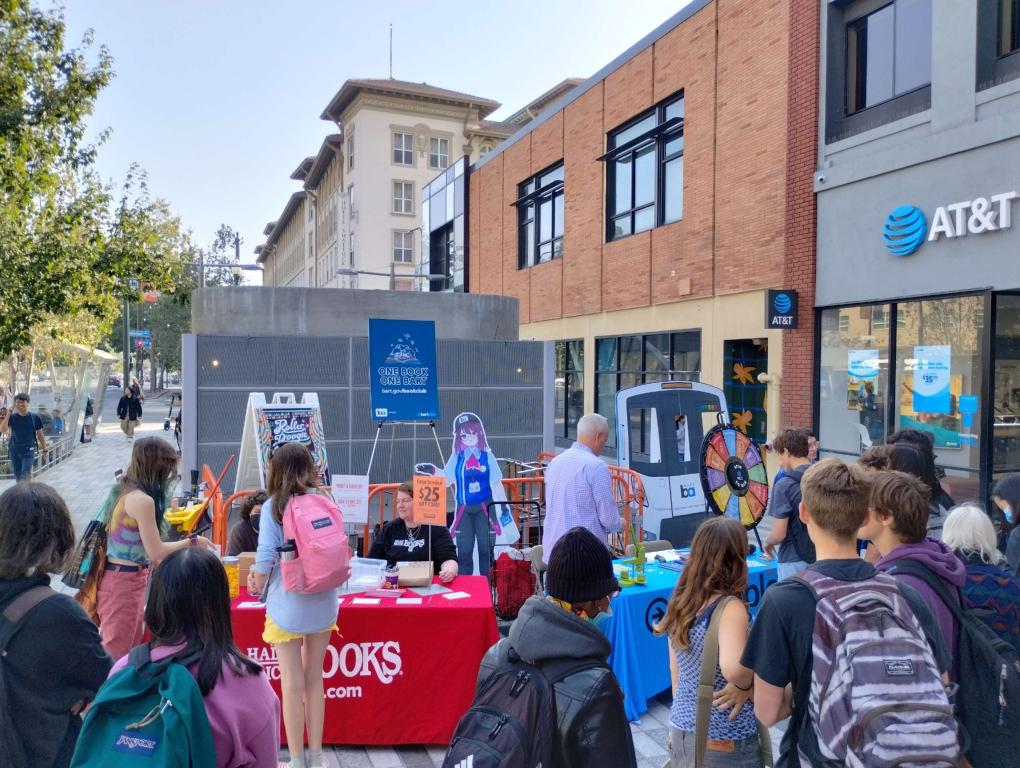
x=377 y=495
x=628 y=490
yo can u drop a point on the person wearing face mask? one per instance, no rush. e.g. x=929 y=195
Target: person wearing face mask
x=591 y=725
x=244 y=536
x=1006 y=495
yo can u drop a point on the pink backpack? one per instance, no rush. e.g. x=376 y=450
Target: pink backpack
x=323 y=559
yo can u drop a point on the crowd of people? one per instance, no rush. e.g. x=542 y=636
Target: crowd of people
x=880 y=541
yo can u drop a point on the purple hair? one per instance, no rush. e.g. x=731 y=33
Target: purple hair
x=475 y=428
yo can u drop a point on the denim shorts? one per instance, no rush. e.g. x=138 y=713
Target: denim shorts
x=785 y=570
x=745 y=753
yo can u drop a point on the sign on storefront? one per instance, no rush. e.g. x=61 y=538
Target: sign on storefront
x=781 y=310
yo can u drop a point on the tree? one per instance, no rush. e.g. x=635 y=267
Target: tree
x=221 y=256
x=168 y=319
x=67 y=247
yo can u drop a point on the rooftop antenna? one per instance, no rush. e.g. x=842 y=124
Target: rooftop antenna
x=391 y=51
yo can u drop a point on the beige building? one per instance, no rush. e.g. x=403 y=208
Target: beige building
x=359 y=209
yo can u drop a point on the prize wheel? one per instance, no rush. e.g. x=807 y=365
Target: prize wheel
x=733 y=475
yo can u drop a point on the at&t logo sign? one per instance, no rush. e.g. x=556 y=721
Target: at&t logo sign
x=904 y=231
x=906 y=227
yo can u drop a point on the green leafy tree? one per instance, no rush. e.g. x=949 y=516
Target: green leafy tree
x=68 y=245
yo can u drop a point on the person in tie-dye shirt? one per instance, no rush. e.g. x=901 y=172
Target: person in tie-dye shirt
x=136 y=506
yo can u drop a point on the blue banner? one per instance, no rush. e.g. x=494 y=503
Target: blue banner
x=402 y=370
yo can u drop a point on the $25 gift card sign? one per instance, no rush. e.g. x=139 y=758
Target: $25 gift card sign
x=430 y=500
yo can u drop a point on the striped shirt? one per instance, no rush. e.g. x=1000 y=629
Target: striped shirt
x=578 y=492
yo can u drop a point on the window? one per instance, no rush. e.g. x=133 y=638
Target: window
x=844 y=322
x=644 y=168
x=350 y=153
x=352 y=249
x=350 y=198
x=569 y=383
x=626 y=361
x=540 y=218
x=403 y=149
x=439 y=153
x=403 y=197
x=888 y=53
x=1009 y=27
x=998 y=49
x=403 y=248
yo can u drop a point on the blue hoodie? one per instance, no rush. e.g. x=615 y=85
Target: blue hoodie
x=941 y=560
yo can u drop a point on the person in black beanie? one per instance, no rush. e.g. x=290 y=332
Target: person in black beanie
x=592 y=728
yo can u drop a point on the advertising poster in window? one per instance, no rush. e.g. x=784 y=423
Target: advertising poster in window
x=862 y=377
x=931 y=378
x=947 y=427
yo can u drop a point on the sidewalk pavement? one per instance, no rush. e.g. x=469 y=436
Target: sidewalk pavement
x=85 y=479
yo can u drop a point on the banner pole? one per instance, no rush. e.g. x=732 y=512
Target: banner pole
x=371 y=458
x=436 y=437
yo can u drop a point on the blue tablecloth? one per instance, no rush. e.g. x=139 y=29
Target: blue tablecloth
x=639 y=658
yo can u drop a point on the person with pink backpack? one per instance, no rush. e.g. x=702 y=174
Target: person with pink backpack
x=303 y=557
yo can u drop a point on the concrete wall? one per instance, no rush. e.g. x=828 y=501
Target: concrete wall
x=966 y=145
x=260 y=311
x=505 y=382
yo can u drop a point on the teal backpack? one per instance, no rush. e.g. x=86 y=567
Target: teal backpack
x=149 y=714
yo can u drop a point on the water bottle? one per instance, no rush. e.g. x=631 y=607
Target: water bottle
x=288 y=550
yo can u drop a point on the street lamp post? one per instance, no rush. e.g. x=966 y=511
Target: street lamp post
x=134 y=285
x=392 y=275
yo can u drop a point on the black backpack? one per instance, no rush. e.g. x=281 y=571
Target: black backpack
x=512 y=721
x=802 y=544
x=987 y=702
x=11 y=750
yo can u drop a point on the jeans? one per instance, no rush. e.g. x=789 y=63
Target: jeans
x=474 y=528
x=731 y=754
x=789 y=569
x=21 y=462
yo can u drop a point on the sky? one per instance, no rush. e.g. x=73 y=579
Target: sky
x=219 y=100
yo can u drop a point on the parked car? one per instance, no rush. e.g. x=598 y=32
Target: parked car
x=114 y=381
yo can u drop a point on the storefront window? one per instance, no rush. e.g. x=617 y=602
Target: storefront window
x=569 y=390
x=939 y=380
x=853 y=378
x=1006 y=408
x=628 y=361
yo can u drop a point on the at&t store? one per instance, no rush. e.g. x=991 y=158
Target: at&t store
x=918 y=310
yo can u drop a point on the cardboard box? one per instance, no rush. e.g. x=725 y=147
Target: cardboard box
x=245 y=561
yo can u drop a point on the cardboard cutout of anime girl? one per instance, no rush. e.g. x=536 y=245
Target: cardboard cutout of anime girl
x=474 y=470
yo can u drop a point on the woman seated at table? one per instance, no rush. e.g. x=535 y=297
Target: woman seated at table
x=402 y=541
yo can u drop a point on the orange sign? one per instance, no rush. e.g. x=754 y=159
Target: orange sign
x=430 y=500
x=150 y=297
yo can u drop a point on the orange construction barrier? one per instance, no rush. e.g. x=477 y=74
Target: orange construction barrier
x=628 y=490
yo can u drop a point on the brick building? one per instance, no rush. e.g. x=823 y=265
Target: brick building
x=641 y=219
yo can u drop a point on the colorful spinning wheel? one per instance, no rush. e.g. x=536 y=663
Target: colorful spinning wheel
x=733 y=475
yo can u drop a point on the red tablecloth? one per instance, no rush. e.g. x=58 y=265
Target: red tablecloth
x=395 y=674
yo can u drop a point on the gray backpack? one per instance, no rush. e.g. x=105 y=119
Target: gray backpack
x=877 y=697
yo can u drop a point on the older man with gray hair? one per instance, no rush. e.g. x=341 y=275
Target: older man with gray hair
x=578 y=488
